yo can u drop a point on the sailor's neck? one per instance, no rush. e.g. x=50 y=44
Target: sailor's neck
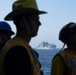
x=26 y=38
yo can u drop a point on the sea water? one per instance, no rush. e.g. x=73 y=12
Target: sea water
x=45 y=57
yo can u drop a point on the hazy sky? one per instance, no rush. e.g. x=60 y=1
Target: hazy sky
x=60 y=12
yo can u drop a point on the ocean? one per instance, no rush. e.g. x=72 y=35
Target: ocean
x=45 y=57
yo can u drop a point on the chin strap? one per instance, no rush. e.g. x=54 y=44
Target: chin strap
x=62 y=47
x=26 y=25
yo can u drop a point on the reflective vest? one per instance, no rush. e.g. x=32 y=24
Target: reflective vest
x=35 y=65
x=69 y=61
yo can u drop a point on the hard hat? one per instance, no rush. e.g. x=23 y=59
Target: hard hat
x=67 y=31
x=23 y=7
x=5 y=26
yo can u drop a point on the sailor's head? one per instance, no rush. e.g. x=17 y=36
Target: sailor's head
x=68 y=32
x=28 y=11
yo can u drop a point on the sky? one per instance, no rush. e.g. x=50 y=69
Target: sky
x=60 y=12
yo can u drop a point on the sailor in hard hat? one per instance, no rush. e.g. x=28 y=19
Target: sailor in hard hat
x=18 y=56
x=64 y=62
x=5 y=33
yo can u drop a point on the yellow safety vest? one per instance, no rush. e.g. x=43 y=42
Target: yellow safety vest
x=35 y=65
x=69 y=61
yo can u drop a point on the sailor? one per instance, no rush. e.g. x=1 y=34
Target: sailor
x=64 y=62
x=18 y=57
x=5 y=33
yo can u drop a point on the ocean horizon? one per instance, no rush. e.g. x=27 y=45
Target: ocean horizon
x=45 y=57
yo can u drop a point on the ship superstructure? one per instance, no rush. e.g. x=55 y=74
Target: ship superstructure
x=46 y=45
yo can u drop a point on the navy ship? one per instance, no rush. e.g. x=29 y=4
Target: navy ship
x=46 y=46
